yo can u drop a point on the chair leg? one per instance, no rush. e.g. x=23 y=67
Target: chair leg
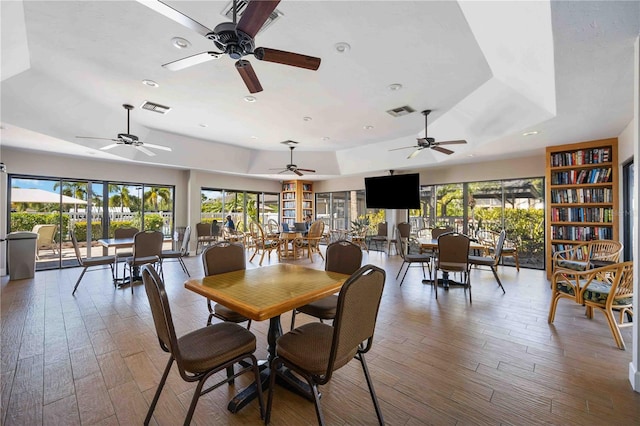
x=272 y=385
x=615 y=330
x=293 y=319
x=399 y=270
x=316 y=401
x=158 y=391
x=495 y=274
x=184 y=267
x=194 y=400
x=374 y=398
x=79 y=279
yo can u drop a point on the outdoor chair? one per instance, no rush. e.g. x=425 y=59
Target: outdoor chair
x=315 y=350
x=492 y=260
x=217 y=259
x=453 y=257
x=418 y=259
x=178 y=254
x=343 y=257
x=89 y=262
x=147 y=249
x=46 y=239
x=607 y=289
x=200 y=353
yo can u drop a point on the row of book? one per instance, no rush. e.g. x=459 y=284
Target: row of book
x=307 y=196
x=306 y=187
x=578 y=177
x=289 y=205
x=288 y=186
x=581 y=233
x=582 y=195
x=579 y=253
x=582 y=214
x=288 y=196
x=289 y=213
x=583 y=156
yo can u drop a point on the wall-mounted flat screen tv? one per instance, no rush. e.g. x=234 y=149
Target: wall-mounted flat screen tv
x=393 y=192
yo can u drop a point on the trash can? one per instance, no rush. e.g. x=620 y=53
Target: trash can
x=21 y=254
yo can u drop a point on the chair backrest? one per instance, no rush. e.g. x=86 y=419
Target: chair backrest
x=343 y=257
x=356 y=316
x=404 y=228
x=453 y=248
x=215 y=229
x=382 y=229
x=436 y=232
x=623 y=281
x=316 y=229
x=76 y=249
x=273 y=227
x=147 y=243
x=497 y=250
x=223 y=257
x=185 y=240
x=126 y=232
x=203 y=229
x=256 y=231
x=399 y=242
x=46 y=233
x=605 y=250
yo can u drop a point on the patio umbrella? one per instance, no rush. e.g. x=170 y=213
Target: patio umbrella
x=33 y=195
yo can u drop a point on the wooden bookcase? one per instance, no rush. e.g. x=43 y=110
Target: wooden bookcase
x=582 y=194
x=297 y=201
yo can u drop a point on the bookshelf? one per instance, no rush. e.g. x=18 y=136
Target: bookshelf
x=582 y=194
x=297 y=201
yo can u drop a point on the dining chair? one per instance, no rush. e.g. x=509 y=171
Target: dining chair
x=343 y=257
x=178 y=254
x=147 y=248
x=262 y=243
x=417 y=259
x=608 y=288
x=493 y=259
x=359 y=237
x=204 y=236
x=315 y=350
x=224 y=256
x=89 y=262
x=123 y=254
x=381 y=235
x=311 y=241
x=46 y=239
x=453 y=257
x=198 y=354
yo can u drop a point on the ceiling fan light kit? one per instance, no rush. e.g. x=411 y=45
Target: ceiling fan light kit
x=236 y=40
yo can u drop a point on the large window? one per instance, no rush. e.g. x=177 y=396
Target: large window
x=627 y=204
x=244 y=207
x=339 y=210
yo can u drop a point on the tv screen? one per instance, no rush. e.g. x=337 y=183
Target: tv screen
x=393 y=192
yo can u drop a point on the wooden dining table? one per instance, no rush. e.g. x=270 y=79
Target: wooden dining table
x=266 y=293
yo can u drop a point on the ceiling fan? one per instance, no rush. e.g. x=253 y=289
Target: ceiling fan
x=428 y=142
x=129 y=139
x=292 y=167
x=236 y=40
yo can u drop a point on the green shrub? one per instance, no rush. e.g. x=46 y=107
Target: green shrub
x=80 y=229
x=153 y=222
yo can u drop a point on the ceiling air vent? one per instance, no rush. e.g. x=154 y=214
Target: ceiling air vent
x=400 y=111
x=242 y=6
x=155 y=107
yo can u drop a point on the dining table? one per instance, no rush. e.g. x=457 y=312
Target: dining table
x=431 y=244
x=266 y=293
x=117 y=243
x=287 y=239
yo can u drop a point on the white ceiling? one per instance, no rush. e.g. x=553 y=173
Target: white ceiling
x=489 y=71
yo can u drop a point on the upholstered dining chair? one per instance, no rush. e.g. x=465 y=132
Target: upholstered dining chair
x=198 y=354
x=178 y=254
x=381 y=236
x=123 y=254
x=343 y=257
x=493 y=259
x=453 y=256
x=147 y=249
x=204 y=236
x=224 y=256
x=316 y=350
x=91 y=262
x=262 y=243
x=417 y=259
x=608 y=288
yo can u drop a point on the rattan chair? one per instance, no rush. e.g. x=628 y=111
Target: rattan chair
x=607 y=289
x=178 y=254
x=343 y=257
x=311 y=241
x=200 y=353
x=418 y=259
x=262 y=243
x=147 y=249
x=219 y=258
x=315 y=350
x=453 y=256
x=493 y=259
x=89 y=262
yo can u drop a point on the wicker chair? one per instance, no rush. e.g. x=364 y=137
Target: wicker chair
x=262 y=243
x=311 y=241
x=315 y=350
x=200 y=353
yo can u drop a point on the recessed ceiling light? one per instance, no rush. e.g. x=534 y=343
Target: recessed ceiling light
x=180 y=43
x=203 y=125
x=250 y=98
x=150 y=83
x=254 y=137
x=326 y=138
x=368 y=127
x=531 y=133
x=342 y=47
x=470 y=155
x=307 y=118
x=394 y=87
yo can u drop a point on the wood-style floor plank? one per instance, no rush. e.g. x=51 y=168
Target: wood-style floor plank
x=94 y=358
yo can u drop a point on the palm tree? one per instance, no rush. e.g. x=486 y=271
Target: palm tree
x=120 y=197
x=154 y=194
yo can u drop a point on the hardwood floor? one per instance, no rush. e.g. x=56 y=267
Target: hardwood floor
x=95 y=359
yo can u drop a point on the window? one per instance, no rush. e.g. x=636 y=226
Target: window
x=244 y=207
x=627 y=205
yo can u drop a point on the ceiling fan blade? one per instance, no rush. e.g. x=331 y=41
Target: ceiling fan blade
x=255 y=15
x=414 y=153
x=306 y=170
x=145 y=150
x=113 y=145
x=287 y=58
x=404 y=147
x=174 y=15
x=248 y=76
x=100 y=139
x=296 y=171
x=283 y=171
x=150 y=145
x=458 y=142
x=442 y=150
x=190 y=61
